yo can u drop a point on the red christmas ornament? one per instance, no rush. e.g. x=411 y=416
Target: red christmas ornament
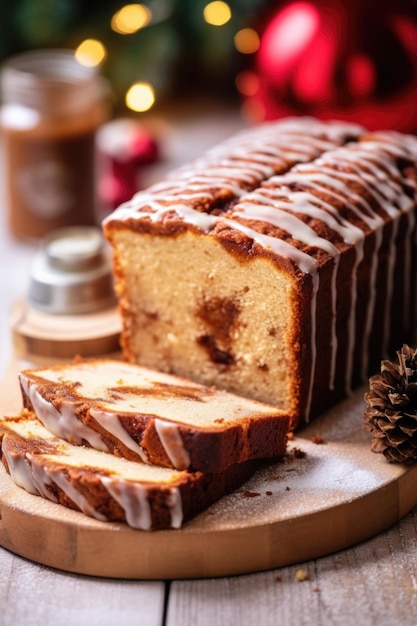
x=125 y=147
x=343 y=59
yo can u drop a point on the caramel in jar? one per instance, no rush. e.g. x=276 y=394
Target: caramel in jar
x=52 y=108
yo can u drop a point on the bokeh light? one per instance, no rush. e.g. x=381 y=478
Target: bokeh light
x=287 y=37
x=361 y=75
x=247 y=83
x=140 y=97
x=131 y=18
x=246 y=41
x=217 y=13
x=90 y=52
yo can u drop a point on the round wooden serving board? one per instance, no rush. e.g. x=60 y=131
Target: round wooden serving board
x=337 y=495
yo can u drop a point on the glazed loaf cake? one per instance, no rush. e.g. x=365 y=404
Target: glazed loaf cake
x=152 y=417
x=104 y=486
x=280 y=266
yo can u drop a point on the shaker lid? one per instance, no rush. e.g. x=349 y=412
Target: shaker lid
x=71 y=273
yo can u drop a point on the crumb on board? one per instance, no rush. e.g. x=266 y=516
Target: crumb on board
x=278 y=579
x=299 y=454
x=318 y=439
x=250 y=494
x=294 y=453
x=301 y=575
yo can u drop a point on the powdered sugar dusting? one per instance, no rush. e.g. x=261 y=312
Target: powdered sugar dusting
x=312 y=477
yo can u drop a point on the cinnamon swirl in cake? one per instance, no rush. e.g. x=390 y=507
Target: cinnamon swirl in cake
x=152 y=417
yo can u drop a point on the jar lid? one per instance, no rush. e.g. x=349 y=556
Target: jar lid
x=50 y=80
x=71 y=273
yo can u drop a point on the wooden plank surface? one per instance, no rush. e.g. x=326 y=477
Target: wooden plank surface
x=31 y=594
x=372 y=583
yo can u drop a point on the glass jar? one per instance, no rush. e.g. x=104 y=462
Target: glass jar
x=52 y=107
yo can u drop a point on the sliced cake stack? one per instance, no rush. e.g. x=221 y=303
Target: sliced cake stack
x=120 y=442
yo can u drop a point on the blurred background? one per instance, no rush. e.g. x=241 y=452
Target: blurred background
x=211 y=67
x=343 y=58
x=177 y=49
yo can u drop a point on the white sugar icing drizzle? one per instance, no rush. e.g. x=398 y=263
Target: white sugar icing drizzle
x=133 y=498
x=341 y=193
x=20 y=470
x=244 y=161
x=370 y=161
x=391 y=198
x=110 y=422
x=62 y=481
x=282 y=202
x=39 y=477
x=278 y=215
x=175 y=503
x=172 y=443
x=398 y=144
x=292 y=139
x=64 y=422
x=35 y=478
x=343 y=173
x=310 y=205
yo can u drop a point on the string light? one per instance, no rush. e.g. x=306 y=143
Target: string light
x=140 y=97
x=131 y=18
x=246 y=41
x=90 y=52
x=217 y=13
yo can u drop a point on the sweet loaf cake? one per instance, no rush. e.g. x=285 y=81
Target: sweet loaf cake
x=281 y=266
x=104 y=486
x=148 y=416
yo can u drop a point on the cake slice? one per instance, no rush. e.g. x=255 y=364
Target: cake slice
x=104 y=486
x=148 y=416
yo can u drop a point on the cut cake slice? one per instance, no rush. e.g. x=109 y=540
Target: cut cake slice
x=149 y=416
x=104 y=486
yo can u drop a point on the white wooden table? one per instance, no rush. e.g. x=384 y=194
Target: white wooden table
x=372 y=583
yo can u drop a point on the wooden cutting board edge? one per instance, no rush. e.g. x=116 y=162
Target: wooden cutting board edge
x=67 y=540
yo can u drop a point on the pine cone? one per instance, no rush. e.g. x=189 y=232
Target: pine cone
x=391 y=415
